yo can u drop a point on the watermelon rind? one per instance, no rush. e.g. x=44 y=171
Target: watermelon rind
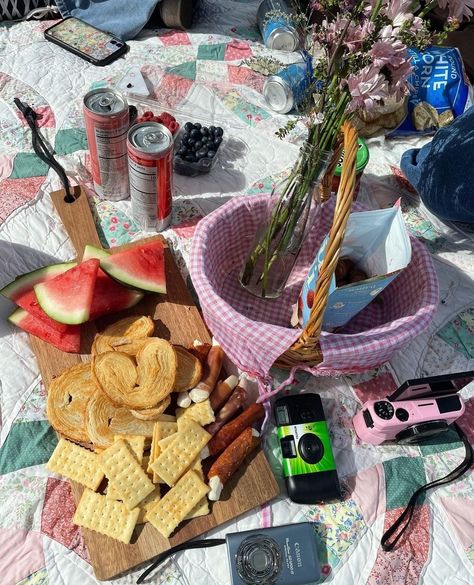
x=91 y=251
x=125 y=275
x=68 y=341
x=54 y=303
x=26 y=281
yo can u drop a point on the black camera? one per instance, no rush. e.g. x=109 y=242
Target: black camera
x=308 y=462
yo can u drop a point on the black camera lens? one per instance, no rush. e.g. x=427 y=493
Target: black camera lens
x=258 y=560
x=311 y=448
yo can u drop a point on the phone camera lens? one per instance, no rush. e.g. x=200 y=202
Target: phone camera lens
x=311 y=448
x=258 y=560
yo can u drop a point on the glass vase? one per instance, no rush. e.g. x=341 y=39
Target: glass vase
x=291 y=211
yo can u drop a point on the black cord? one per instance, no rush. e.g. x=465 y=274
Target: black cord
x=184 y=546
x=41 y=149
x=407 y=514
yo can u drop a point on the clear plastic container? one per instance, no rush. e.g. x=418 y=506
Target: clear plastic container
x=191 y=168
x=203 y=166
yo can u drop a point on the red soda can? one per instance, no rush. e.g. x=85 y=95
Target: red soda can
x=107 y=121
x=150 y=168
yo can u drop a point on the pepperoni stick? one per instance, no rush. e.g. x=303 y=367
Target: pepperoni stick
x=222 y=391
x=200 y=350
x=206 y=385
x=230 y=409
x=230 y=460
x=224 y=437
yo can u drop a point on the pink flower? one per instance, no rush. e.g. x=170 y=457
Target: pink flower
x=367 y=87
x=417 y=24
x=398 y=11
x=399 y=79
x=112 y=228
x=458 y=9
x=325 y=569
x=126 y=225
x=357 y=34
x=388 y=52
x=114 y=219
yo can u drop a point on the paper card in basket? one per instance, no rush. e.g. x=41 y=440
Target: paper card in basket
x=378 y=243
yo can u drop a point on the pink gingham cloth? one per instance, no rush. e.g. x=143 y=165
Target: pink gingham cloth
x=255 y=332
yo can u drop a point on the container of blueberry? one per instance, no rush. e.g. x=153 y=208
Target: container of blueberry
x=196 y=149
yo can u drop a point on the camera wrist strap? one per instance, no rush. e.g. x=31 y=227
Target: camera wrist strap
x=41 y=149
x=184 y=546
x=407 y=515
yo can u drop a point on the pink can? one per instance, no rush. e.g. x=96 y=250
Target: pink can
x=107 y=121
x=150 y=159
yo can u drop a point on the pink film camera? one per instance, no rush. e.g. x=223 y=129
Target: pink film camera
x=416 y=411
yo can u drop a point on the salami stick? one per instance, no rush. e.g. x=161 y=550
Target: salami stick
x=222 y=391
x=230 y=460
x=200 y=350
x=224 y=437
x=230 y=409
x=214 y=365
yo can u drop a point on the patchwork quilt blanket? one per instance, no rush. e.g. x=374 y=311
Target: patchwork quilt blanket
x=200 y=75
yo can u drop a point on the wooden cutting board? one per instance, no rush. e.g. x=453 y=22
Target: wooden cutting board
x=178 y=320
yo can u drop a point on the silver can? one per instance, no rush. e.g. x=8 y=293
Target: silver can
x=150 y=159
x=106 y=117
x=277 y=31
x=289 y=87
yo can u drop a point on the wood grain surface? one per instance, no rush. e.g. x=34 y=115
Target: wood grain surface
x=178 y=320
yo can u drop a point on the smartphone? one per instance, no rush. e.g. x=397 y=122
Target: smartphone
x=86 y=41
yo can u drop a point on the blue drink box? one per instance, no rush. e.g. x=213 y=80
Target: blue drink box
x=379 y=244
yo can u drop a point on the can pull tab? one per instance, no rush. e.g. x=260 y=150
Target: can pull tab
x=106 y=103
x=152 y=138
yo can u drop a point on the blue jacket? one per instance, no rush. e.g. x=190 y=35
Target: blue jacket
x=123 y=18
x=443 y=170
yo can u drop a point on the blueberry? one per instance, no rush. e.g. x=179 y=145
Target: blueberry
x=205 y=139
x=191 y=142
x=197 y=126
x=188 y=126
x=219 y=131
x=201 y=153
x=198 y=145
x=195 y=133
x=217 y=142
x=186 y=135
x=185 y=140
x=211 y=153
x=190 y=158
x=204 y=131
x=182 y=150
x=212 y=129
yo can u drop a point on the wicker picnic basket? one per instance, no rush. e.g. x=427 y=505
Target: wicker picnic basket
x=256 y=333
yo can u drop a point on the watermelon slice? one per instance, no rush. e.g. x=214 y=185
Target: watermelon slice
x=67 y=298
x=141 y=267
x=29 y=302
x=69 y=340
x=26 y=282
x=91 y=251
x=109 y=295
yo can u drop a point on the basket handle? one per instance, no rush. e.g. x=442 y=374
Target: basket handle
x=344 y=199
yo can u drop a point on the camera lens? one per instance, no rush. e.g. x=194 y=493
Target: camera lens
x=311 y=448
x=258 y=560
